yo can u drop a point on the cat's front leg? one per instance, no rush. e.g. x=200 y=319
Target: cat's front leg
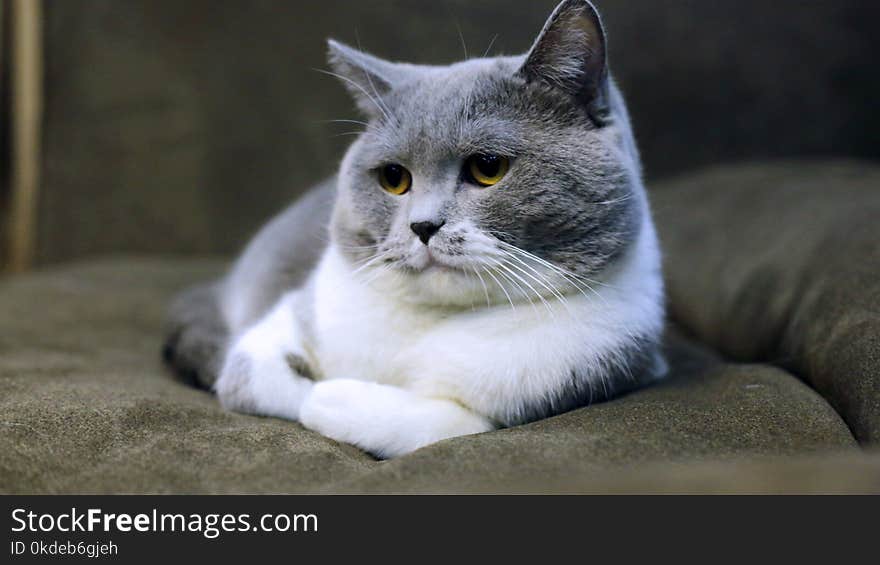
x=265 y=371
x=384 y=420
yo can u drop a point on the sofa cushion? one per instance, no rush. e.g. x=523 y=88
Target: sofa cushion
x=780 y=263
x=85 y=406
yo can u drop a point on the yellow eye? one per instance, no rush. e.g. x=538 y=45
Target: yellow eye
x=395 y=179
x=486 y=170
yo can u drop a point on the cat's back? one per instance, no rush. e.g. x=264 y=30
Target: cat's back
x=280 y=257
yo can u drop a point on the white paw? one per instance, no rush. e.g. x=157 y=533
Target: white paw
x=384 y=420
x=264 y=385
x=337 y=409
x=234 y=386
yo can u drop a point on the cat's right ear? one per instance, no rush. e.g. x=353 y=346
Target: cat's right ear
x=366 y=77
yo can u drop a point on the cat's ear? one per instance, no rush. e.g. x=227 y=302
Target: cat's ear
x=570 y=54
x=366 y=77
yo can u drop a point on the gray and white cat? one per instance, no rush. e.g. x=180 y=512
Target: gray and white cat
x=491 y=258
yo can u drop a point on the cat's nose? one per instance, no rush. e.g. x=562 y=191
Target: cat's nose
x=425 y=230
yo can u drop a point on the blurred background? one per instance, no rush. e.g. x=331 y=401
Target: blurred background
x=177 y=127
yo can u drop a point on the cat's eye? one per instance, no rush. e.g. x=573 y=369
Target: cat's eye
x=486 y=170
x=395 y=179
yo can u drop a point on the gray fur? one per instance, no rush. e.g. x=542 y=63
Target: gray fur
x=638 y=364
x=300 y=366
x=279 y=258
x=572 y=197
x=569 y=198
x=197 y=336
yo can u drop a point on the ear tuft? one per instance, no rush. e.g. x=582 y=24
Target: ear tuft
x=366 y=77
x=570 y=54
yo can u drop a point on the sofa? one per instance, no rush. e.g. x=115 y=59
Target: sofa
x=171 y=130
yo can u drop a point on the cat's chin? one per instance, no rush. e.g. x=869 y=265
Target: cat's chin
x=440 y=285
x=434 y=285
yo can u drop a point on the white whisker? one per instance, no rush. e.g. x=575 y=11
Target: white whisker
x=501 y=286
x=349 y=133
x=570 y=279
x=521 y=290
x=575 y=280
x=362 y=89
x=370 y=79
x=613 y=201
x=506 y=267
x=537 y=276
x=485 y=288
x=369 y=261
x=463 y=44
x=359 y=122
x=489 y=48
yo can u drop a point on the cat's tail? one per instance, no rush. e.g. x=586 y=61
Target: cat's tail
x=196 y=336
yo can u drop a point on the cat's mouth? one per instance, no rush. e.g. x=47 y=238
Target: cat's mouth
x=431 y=260
x=428 y=260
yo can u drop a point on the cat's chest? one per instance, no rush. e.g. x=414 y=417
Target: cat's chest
x=356 y=334
x=480 y=358
x=364 y=349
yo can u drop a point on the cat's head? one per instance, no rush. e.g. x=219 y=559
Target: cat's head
x=493 y=179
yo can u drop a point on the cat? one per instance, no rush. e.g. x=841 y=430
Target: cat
x=485 y=257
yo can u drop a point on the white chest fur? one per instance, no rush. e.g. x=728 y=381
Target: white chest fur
x=496 y=360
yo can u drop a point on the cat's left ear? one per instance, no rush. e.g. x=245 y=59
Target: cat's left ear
x=570 y=54
x=366 y=77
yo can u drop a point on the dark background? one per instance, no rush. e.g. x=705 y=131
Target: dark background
x=178 y=127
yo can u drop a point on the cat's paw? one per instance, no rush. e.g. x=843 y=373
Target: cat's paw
x=385 y=420
x=265 y=386
x=235 y=386
x=337 y=409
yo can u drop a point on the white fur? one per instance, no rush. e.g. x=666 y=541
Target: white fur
x=256 y=377
x=399 y=375
x=400 y=359
x=373 y=416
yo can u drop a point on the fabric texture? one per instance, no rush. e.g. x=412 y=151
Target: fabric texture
x=774 y=265
x=179 y=127
x=780 y=263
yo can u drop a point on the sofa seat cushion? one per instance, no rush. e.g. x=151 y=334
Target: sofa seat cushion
x=86 y=407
